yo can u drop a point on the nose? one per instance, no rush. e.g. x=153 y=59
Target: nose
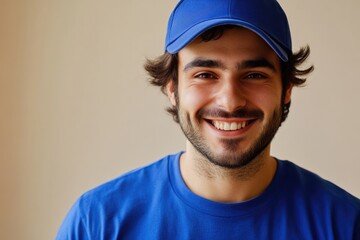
x=230 y=96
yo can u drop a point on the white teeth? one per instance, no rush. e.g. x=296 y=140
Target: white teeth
x=229 y=126
x=233 y=126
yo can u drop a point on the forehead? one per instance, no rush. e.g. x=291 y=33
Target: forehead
x=234 y=44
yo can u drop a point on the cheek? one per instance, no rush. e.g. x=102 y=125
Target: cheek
x=193 y=98
x=266 y=98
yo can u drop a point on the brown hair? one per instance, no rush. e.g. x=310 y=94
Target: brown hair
x=165 y=68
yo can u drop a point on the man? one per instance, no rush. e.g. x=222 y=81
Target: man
x=228 y=71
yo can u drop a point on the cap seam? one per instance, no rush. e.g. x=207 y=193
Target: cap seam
x=229 y=8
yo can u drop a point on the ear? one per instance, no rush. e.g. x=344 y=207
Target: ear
x=288 y=92
x=170 y=91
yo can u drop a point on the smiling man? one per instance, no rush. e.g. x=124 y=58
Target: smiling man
x=228 y=71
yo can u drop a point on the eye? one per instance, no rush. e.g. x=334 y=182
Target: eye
x=205 y=75
x=255 y=76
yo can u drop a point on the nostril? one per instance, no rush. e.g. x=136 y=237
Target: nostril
x=230 y=95
x=231 y=103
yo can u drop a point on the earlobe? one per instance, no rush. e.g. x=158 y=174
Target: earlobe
x=170 y=92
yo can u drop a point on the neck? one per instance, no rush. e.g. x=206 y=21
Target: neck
x=223 y=184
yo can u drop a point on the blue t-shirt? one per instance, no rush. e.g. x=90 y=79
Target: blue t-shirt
x=153 y=202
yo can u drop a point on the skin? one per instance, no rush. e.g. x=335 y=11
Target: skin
x=234 y=79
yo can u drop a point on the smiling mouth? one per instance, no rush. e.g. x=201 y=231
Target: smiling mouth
x=229 y=126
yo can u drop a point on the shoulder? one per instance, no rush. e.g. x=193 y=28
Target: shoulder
x=317 y=188
x=132 y=183
x=316 y=203
x=107 y=205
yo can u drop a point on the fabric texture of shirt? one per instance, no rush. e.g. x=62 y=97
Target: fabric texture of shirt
x=153 y=202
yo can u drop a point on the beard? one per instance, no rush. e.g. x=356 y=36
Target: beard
x=232 y=156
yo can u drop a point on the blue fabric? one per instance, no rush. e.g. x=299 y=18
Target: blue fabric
x=190 y=18
x=154 y=203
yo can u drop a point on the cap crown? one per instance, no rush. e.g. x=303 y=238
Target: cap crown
x=265 y=17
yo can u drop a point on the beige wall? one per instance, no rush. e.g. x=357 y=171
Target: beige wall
x=75 y=108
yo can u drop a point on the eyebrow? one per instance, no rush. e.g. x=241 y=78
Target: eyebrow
x=200 y=62
x=210 y=63
x=255 y=63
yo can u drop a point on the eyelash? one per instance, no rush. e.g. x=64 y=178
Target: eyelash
x=252 y=75
x=205 y=75
x=255 y=76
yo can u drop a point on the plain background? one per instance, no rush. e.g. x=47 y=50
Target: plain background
x=76 y=109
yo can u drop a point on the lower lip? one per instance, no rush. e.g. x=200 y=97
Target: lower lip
x=231 y=133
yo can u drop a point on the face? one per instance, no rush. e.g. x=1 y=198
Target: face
x=229 y=97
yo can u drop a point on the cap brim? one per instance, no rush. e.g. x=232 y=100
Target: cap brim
x=193 y=32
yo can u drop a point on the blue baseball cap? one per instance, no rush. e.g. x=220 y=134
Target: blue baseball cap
x=266 y=18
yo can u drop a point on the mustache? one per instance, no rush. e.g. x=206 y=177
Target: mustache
x=240 y=113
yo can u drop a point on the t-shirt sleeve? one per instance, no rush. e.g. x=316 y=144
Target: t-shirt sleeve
x=73 y=226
